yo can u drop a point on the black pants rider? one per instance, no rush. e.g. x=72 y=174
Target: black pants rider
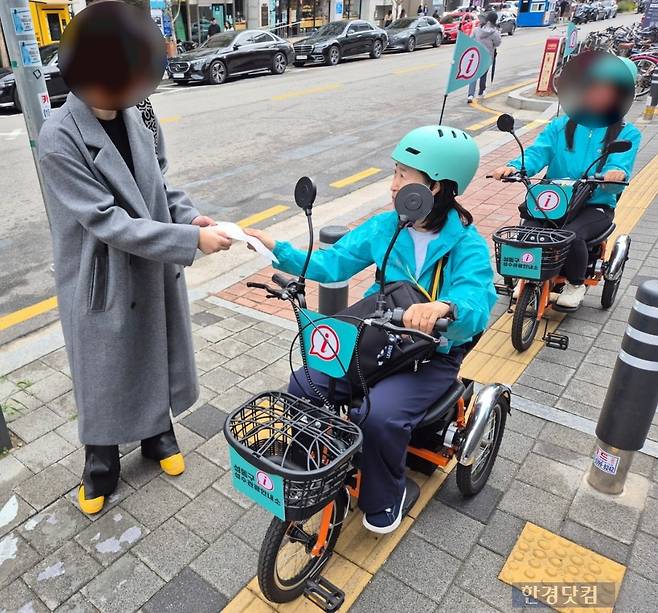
x=591 y=221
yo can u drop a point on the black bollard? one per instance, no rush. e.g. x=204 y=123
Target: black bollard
x=333 y=296
x=5 y=441
x=632 y=396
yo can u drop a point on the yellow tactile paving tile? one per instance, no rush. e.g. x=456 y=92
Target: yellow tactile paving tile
x=571 y=574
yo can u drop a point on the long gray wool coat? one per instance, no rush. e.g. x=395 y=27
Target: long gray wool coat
x=120 y=244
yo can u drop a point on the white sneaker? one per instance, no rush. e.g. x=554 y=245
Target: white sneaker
x=572 y=296
x=469 y=100
x=482 y=95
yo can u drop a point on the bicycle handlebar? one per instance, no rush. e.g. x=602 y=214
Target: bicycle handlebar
x=281 y=280
x=518 y=178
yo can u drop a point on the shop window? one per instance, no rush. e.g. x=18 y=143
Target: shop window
x=54 y=27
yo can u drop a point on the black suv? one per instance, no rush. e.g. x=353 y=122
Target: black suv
x=340 y=39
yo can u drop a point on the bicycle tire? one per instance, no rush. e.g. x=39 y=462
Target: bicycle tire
x=523 y=311
x=271 y=585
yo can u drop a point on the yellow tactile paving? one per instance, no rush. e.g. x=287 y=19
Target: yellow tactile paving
x=359 y=555
x=570 y=574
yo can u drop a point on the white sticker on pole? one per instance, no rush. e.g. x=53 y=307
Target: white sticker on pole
x=22 y=20
x=44 y=101
x=606 y=462
x=30 y=53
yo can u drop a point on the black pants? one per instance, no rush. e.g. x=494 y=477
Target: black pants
x=590 y=222
x=102 y=467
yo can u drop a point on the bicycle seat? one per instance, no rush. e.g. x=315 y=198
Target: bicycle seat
x=438 y=410
x=597 y=240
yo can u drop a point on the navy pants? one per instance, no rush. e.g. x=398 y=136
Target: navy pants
x=397 y=405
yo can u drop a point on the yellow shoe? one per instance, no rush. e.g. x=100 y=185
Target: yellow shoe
x=92 y=506
x=174 y=465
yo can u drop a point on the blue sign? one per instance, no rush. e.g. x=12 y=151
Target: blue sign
x=329 y=343
x=22 y=20
x=571 y=42
x=263 y=488
x=520 y=262
x=549 y=201
x=29 y=53
x=339 y=8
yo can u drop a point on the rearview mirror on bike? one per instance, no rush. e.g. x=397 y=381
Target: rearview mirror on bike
x=505 y=123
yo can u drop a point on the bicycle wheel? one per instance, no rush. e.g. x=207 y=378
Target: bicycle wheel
x=471 y=479
x=285 y=562
x=645 y=68
x=525 y=322
x=610 y=289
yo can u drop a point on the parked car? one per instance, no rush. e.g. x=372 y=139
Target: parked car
x=340 y=39
x=231 y=53
x=505 y=7
x=507 y=23
x=600 y=12
x=453 y=23
x=57 y=88
x=610 y=7
x=410 y=33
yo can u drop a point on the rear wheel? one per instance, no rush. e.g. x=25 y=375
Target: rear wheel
x=217 y=72
x=411 y=44
x=511 y=32
x=471 y=479
x=377 y=49
x=285 y=562
x=279 y=63
x=333 y=56
x=525 y=322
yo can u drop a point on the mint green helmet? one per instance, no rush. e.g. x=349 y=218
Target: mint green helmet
x=441 y=152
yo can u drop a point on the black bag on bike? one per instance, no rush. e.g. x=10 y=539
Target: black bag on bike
x=381 y=354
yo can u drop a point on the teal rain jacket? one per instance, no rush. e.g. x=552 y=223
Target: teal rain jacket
x=467 y=272
x=550 y=149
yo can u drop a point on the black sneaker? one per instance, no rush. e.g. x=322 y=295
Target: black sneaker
x=387 y=520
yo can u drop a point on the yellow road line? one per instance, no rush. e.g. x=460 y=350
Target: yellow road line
x=18 y=317
x=359 y=176
x=537 y=42
x=401 y=71
x=172 y=119
x=508 y=88
x=308 y=92
x=266 y=214
x=536 y=123
x=482 y=124
x=34 y=310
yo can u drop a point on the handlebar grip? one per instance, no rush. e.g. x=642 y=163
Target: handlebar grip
x=441 y=325
x=281 y=280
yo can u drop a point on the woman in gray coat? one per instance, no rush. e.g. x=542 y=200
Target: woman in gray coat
x=121 y=237
x=488 y=35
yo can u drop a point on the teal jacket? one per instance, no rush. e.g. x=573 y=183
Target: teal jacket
x=467 y=272
x=550 y=149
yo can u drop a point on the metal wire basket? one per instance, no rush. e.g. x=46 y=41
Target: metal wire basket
x=531 y=253
x=309 y=447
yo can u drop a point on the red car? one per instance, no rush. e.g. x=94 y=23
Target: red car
x=453 y=23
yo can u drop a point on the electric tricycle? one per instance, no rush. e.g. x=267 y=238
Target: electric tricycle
x=530 y=257
x=301 y=461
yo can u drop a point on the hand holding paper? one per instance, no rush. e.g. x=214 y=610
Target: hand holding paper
x=253 y=239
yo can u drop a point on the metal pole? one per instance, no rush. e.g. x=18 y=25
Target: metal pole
x=25 y=61
x=5 y=441
x=632 y=396
x=333 y=296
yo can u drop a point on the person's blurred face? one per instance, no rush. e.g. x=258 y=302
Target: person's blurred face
x=599 y=98
x=112 y=55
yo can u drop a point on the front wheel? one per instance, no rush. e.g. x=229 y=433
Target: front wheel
x=511 y=32
x=377 y=49
x=285 y=562
x=438 y=40
x=645 y=68
x=411 y=44
x=217 y=72
x=333 y=56
x=525 y=322
x=610 y=290
x=279 y=64
x=471 y=479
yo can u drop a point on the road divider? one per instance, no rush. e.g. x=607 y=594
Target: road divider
x=263 y=215
x=172 y=119
x=359 y=176
x=308 y=92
